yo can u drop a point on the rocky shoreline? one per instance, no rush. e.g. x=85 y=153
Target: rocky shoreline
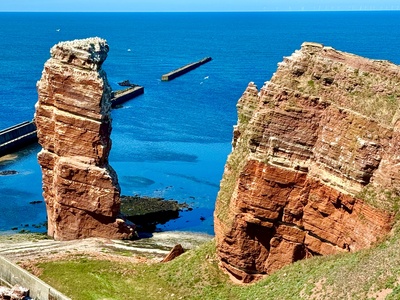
x=147 y=212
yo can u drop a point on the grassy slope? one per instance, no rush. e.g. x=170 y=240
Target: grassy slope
x=195 y=275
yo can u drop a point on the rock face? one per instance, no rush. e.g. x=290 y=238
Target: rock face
x=174 y=253
x=74 y=125
x=315 y=166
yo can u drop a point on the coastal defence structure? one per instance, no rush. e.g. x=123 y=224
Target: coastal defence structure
x=122 y=96
x=183 y=70
x=24 y=134
x=12 y=274
x=17 y=136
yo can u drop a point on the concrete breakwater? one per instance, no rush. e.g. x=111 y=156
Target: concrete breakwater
x=23 y=134
x=17 y=136
x=183 y=70
x=122 y=96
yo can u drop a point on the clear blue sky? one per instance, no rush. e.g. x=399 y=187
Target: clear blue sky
x=195 y=5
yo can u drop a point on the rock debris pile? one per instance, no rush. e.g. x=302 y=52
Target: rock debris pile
x=15 y=293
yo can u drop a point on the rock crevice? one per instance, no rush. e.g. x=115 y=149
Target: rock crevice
x=73 y=123
x=314 y=168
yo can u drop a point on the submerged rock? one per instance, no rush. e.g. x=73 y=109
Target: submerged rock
x=148 y=212
x=73 y=123
x=8 y=172
x=315 y=166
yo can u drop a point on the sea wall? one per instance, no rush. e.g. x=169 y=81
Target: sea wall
x=120 y=97
x=185 y=69
x=24 y=134
x=11 y=274
x=17 y=136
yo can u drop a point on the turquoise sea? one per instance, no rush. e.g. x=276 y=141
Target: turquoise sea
x=172 y=141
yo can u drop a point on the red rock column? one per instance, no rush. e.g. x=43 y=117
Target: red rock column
x=73 y=122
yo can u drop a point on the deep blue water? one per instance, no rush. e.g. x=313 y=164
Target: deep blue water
x=172 y=141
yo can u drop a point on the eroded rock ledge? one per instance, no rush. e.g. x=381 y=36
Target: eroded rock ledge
x=315 y=166
x=73 y=122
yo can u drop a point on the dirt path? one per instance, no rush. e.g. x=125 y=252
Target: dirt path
x=21 y=248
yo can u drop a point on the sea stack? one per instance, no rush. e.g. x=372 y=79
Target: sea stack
x=315 y=165
x=73 y=123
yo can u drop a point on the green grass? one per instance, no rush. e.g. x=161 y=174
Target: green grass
x=90 y=279
x=372 y=94
x=387 y=200
x=191 y=276
x=195 y=275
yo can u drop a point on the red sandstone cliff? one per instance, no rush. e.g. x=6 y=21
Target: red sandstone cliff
x=73 y=122
x=315 y=163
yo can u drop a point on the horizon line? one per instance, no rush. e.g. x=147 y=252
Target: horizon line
x=204 y=11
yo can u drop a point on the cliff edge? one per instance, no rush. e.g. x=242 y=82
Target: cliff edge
x=73 y=123
x=315 y=163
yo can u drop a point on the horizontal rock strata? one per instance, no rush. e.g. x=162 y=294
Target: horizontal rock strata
x=315 y=166
x=73 y=122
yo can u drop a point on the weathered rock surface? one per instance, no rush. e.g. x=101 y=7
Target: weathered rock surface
x=315 y=166
x=174 y=253
x=73 y=122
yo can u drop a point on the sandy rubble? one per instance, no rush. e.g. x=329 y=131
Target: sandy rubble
x=32 y=248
